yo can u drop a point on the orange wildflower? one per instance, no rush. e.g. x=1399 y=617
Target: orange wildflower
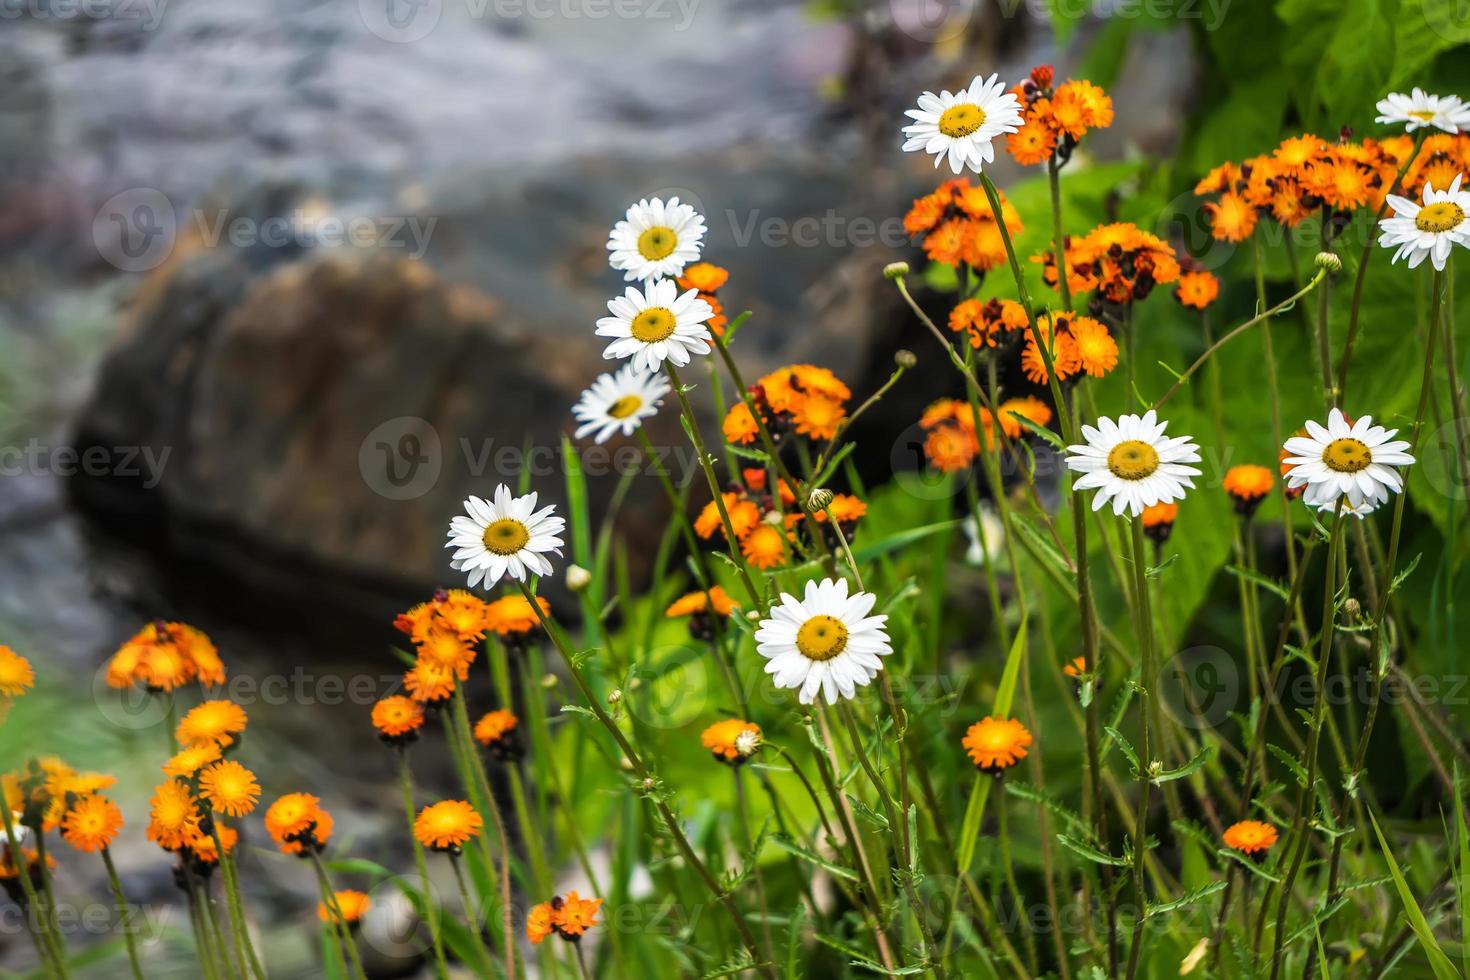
x=352 y=906
x=996 y=744
x=398 y=719
x=732 y=740
x=92 y=823
x=447 y=825
x=16 y=674
x=1197 y=289
x=1250 y=836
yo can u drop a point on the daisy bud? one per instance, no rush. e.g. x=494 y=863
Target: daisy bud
x=1352 y=609
x=1195 y=957
x=895 y=270
x=1329 y=261
x=548 y=681
x=820 y=499
x=905 y=358
x=578 y=578
x=614 y=697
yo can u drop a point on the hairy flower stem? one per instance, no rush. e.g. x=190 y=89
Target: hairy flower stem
x=239 y=932
x=430 y=910
x=1382 y=659
x=1087 y=614
x=203 y=948
x=124 y=916
x=896 y=823
x=334 y=913
x=696 y=554
x=1324 y=334
x=676 y=833
x=481 y=778
x=47 y=943
x=1306 y=792
x=1352 y=331
x=872 y=905
x=692 y=424
x=1147 y=687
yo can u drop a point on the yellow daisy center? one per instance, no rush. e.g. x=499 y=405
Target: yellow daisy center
x=1347 y=456
x=1133 y=459
x=961 y=120
x=821 y=638
x=1439 y=217
x=1423 y=115
x=657 y=243
x=625 y=406
x=654 y=324
x=506 y=536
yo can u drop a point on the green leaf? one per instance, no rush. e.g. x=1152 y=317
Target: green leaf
x=1091 y=853
x=1438 y=961
x=796 y=850
x=1124 y=746
x=1187 y=899
x=1192 y=766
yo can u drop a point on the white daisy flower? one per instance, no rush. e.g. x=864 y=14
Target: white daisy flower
x=1420 y=109
x=825 y=642
x=1431 y=230
x=656 y=324
x=506 y=536
x=961 y=125
x=619 y=402
x=1132 y=463
x=1356 y=461
x=656 y=239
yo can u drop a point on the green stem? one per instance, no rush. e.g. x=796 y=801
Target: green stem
x=123 y=913
x=430 y=909
x=1147 y=685
x=676 y=832
x=1306 y=792
x=244 y=949
x=334 y=912
x=714 y=484
x=36 y=918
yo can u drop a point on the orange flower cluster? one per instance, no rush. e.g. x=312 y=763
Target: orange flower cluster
x=298 y=824
x=1077 y=345
x=1120 y=261
x=568 y=916
x=39 y=791
x=988 y=323
x=707 y=278
x=701 y=602
x=811 y=401
x=764 y=532
x=1307 y=174
x=959 y=226
x=164 y=657
x=951 y=443
x=453 y=611
x=447 y=631
x=1054 y=120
